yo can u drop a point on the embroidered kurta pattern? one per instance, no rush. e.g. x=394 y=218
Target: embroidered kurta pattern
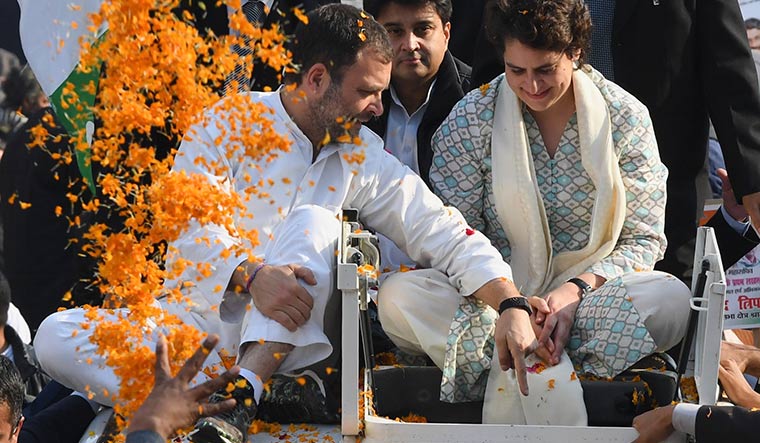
x=461 y=175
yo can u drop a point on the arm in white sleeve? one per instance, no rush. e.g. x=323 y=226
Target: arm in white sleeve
x=685 y=417
x=398 y=204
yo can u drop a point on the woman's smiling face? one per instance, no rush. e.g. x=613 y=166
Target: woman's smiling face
x=540 y=78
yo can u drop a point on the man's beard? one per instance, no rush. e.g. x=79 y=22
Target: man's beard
x=329 y=115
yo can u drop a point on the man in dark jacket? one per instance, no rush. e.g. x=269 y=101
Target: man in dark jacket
x=36 y=214
x=426 y=80
x=20 y=353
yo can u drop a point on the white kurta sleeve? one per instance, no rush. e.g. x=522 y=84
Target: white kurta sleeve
x=398 y=204
x=204 y=245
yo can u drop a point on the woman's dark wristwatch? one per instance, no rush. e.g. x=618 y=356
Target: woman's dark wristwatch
x=515 y=302
x=582 y=285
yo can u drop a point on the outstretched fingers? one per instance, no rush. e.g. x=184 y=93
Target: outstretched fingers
x=163 y=370
x=195 y=363
x=520 y=371
x=210 y=409
x=208 y=387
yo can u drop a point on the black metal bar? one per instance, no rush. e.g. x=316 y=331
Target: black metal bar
x=688 y=340
x=368 y=350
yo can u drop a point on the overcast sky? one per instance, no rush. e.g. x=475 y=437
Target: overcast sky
x=750 y=8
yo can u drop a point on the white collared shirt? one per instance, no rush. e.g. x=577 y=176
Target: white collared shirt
x=685 y=417
x=401 y=131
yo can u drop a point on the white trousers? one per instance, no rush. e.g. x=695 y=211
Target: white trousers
x=416 y=309
x=308 y=237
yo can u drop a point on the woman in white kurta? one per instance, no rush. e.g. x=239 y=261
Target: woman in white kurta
x=560 y=169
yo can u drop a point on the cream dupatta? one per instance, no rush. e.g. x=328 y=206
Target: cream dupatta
x=518 y=200
x=556 y=396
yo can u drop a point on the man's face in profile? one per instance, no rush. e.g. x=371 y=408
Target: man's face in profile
x=354 y=98
x=753 y=35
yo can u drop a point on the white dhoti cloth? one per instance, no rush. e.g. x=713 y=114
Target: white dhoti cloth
x=307 y=237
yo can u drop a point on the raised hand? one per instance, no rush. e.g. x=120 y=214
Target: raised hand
x=171 y=405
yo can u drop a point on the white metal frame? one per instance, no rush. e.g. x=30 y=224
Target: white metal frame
x=382 y=430
x=706 y=351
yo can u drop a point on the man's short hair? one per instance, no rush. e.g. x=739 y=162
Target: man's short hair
x=5 y=300
x=442 y=7
x=11 y=389
x=334 y=36
x=20 y=85
x=752 y=23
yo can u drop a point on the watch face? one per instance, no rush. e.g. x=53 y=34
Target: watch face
x=515 y=303
x=521 y=301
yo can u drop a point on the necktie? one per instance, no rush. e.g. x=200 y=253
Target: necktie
x=254 y=13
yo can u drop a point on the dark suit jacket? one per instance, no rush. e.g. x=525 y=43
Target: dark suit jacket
x=62 y=422
x=682 y=58
x=718 y=424
x=732 y=245
x=39 y=262
x=466 y=21
x=452 y=82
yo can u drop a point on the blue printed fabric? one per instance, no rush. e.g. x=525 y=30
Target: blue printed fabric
x=461 y=175
x=608 y=336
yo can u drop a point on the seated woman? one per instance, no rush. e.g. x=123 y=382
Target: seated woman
x=560 y=169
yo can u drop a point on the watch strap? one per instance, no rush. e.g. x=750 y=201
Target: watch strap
x=584 y=287
x=515 y=303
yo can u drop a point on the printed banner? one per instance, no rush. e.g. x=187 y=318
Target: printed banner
x=742 y=310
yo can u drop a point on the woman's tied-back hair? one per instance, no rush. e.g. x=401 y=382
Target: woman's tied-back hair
x=552 y=25
x=334 y=36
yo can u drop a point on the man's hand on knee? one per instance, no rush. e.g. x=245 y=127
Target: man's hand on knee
x=277 y=294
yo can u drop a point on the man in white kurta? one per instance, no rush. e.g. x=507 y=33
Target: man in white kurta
x=310 y=183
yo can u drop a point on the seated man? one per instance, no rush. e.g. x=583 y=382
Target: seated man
x=426 y=80
x=345 y=60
